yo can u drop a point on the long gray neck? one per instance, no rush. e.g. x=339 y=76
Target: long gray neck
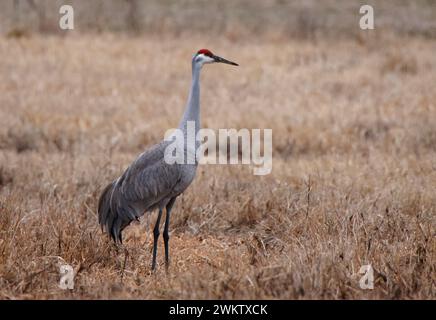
x=192 y=109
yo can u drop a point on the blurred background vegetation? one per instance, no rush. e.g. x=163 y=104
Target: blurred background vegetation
x=235 y=19
x=354 y=147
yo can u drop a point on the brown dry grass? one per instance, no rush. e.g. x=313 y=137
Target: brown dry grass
x=353 y=181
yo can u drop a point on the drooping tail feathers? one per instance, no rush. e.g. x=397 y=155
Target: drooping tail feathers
x=105 y=215
x=114 y=211
x=108 y=216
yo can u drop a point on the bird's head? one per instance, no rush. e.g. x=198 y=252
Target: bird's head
x=206 y=56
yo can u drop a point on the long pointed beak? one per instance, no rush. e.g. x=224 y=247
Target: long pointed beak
x=222 y=60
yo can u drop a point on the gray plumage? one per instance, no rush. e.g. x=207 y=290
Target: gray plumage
x=150 y=182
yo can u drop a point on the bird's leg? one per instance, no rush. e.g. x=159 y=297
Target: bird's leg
x=156 y=236
x=126 y=255
x=166 y=235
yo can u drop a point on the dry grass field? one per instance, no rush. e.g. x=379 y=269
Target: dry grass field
x=353 y=179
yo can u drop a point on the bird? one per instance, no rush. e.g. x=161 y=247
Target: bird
x=151 y=183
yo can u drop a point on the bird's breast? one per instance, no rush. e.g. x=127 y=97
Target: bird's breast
x=187 y=175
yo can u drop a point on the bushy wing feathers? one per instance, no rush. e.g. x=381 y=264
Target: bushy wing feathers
x=104 y=210
x=144 y=184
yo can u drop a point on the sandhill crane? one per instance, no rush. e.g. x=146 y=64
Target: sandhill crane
x=150 y=182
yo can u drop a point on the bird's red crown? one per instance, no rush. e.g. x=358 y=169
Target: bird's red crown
x=206 y=52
